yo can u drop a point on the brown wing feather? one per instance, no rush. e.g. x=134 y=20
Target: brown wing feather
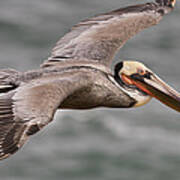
x=11 y=128
x=27 y=109
x=98 y=38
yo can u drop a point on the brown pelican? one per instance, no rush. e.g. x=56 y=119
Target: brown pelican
x=78 y=75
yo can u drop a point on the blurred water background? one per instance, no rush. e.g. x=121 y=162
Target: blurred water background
x=101 y=144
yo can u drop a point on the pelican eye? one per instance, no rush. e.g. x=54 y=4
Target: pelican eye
x=141 y=72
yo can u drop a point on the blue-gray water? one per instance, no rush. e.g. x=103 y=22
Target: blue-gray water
x=101 y=144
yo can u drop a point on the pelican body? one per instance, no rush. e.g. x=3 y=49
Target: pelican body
x=98 y=87
x=78 y=75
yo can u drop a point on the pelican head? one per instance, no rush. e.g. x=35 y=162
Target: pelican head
x=140 y=83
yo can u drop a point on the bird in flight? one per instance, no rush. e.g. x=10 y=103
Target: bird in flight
x=78 y=75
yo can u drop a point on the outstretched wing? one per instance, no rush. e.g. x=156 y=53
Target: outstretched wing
x=98 y=38
x=26 y=110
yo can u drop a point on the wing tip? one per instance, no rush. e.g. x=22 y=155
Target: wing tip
x=168 y=3
x=5 y=153
x=12 y=134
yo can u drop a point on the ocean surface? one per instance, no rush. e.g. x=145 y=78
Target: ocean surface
x=100 y=144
